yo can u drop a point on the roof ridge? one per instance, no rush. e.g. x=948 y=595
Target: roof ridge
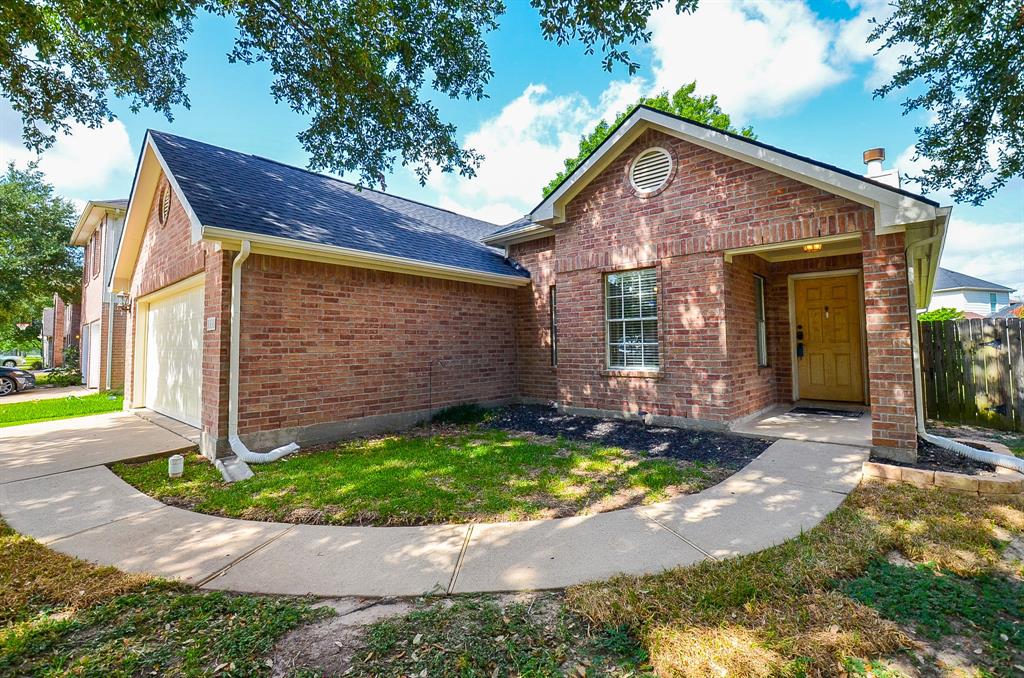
x=328 y=176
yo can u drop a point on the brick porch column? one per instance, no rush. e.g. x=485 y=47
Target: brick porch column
x=890 y=361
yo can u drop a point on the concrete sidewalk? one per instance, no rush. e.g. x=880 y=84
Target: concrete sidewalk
x=47 y=447
x=91 y=513
x=46 y=393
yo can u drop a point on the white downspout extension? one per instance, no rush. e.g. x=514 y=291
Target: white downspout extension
x=237 y=446
x=983 y=456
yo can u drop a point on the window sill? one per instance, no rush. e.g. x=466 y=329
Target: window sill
x=632 y=374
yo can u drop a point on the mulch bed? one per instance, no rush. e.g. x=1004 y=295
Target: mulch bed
x=724 y=449
x=934 y=458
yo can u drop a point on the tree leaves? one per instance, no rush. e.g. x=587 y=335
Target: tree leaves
x=363 y=71
x=969 y=58
x=36 y=260
x=682 y=102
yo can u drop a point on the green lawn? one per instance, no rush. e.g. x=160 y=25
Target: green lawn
x=31 y=411
x=64 y=617
x=470 y=475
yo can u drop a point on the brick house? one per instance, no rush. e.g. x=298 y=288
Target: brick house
x=101 y=324
x=680 y=273
x=61 y=323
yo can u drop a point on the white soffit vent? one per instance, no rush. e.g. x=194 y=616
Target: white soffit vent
x=650 y=170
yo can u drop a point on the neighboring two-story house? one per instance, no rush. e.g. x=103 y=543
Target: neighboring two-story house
x=102 y=328
x=975 y=297
x=61 y=325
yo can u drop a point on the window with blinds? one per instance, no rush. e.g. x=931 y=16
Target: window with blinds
x=631 y=319
x=761 y=324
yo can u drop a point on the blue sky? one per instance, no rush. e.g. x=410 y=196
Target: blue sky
x=801 y=73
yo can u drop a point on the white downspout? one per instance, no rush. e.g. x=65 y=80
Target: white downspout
x=237 y=446
x=983 y=456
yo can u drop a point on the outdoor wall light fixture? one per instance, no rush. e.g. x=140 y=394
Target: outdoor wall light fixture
x=123 y=302
x=813 y=247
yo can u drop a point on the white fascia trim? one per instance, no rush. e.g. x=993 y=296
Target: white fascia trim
x=85 y=224
x=893 y=210
x=530 y=232
x=332 y=254
x=196 y=226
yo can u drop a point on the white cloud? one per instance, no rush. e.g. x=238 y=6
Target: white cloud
x=853 y=45
x=81 y=165
x=759 y=57
x=523 y=146
x=993 y=252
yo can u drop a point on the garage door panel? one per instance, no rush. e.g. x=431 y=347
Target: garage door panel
x=174 y=356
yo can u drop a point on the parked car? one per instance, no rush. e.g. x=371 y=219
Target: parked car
x=13 y=380
x=11 y=360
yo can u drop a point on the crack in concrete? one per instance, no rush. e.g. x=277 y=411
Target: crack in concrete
x=206 y=580
x=459 y=561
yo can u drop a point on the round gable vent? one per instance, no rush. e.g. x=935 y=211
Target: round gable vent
x=650 y=170
x=165 y=205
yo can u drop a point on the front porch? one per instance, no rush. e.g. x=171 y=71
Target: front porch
x=829 y=332
x=836 y=423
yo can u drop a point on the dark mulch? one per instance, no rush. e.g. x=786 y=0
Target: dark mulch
x=934 y=458
x=724 y=449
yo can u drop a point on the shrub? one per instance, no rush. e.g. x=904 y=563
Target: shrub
x=461 y=415
x=63 y=376
x=940 y=314
x=36 y=365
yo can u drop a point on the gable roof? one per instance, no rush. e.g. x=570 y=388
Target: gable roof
x=232 y=196
x=895 y=208
x=1008 y=312
x=946 y=279
x=90 y=218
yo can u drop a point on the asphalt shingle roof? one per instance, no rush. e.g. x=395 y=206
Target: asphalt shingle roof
x=946 y=279
x=232 y=190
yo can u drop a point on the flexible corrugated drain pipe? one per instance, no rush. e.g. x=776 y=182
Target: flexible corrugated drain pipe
x=237 y=446
x=984 y=456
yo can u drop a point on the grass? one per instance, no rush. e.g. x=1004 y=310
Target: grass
x=31 y=411
x=476 y=636
x=475 y=475
x=828 y=603
x=784 y=611
x=60 y=616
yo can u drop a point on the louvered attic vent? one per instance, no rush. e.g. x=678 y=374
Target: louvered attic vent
x=650 y=170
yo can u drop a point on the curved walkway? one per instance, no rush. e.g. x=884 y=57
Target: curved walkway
x=81 y=508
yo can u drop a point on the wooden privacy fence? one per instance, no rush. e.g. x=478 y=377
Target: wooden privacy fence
x=974 y=371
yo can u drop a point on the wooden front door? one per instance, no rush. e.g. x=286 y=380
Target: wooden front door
x=828 y=335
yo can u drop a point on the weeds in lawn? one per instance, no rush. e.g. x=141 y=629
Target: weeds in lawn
x=62 y=616
x=462 y=415
x=475 y=636
x=777 y=612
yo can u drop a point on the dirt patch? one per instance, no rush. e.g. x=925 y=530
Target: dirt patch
x=724 y=449
x=934 y=458
x=329 y=646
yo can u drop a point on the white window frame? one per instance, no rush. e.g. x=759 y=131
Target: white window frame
x=760 y=321
x=623 y=319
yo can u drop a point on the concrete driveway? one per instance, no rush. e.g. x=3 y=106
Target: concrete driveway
x=48 y=447
x=54 y=487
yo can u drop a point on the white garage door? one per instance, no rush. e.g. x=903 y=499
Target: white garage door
x=174 y=355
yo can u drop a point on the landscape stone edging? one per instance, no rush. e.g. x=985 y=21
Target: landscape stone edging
x=1009 y=482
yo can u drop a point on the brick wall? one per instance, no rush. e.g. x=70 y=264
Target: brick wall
x=706 y=325
x=59 y=313
x=117 y=348
x=535 y=376
x=890 y=362
x=323 y=343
